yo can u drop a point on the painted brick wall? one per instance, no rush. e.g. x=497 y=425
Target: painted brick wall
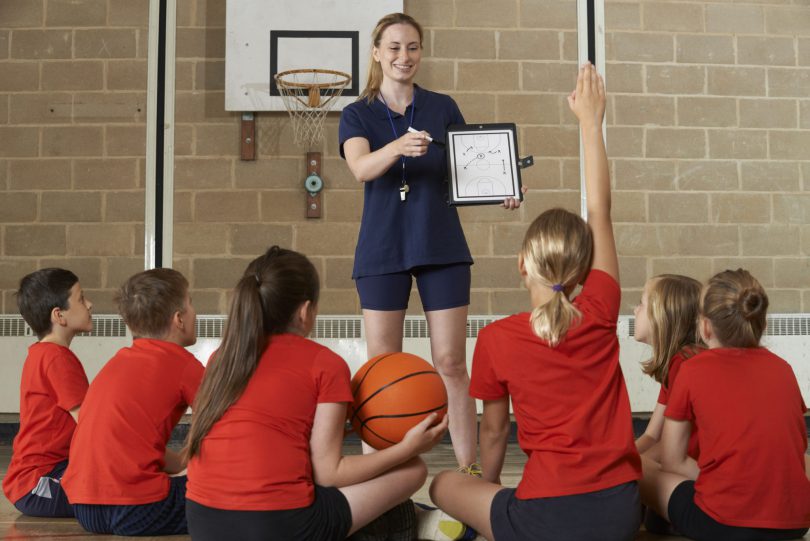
x=708 y=134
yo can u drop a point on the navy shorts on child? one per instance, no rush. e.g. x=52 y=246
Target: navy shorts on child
x=47 y=499
x=579 y=517
x=164 y=517
x=329 y=518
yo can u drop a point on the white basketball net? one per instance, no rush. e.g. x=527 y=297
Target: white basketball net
x=309 y=94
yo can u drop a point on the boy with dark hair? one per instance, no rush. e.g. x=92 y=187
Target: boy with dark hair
x=52 y=388
x=122 y=479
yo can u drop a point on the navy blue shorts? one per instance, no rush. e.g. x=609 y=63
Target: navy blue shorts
x=613 y=513
x=165 y=517
x=329 y=518
x=47 y=499
x=441 y=287
x=691 y=521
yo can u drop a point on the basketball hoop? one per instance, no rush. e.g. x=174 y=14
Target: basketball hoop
x=309 y=94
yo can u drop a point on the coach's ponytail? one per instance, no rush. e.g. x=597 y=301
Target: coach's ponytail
x=556 y=252
x=264 y=303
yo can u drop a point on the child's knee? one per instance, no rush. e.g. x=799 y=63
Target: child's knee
x=417 y=471
x=439 y=486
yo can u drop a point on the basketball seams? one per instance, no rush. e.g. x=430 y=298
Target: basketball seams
x=403 y=415
x=364 y=427
x=389 y=384
x=389 y=415
x=364 y=423
x=365 y=374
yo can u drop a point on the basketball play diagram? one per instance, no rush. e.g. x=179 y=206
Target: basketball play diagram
x=483 y=164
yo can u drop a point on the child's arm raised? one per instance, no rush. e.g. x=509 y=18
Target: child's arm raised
x=331 y=468
x=588 y=104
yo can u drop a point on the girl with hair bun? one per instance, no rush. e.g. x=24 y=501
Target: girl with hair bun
x=749 y=481
x=559 y=365
x=265 y=444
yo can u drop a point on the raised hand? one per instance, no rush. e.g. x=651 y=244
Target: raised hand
x=587 y=101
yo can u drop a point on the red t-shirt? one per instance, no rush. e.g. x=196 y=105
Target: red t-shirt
x=117 y=454
x=749 y=412
x=53 y=383
x=570 y=402
x=257 y=456
x=663 y=398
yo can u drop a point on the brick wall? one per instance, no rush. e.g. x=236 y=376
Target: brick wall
x=709 y=138
x=72 y=137
x=708 y=134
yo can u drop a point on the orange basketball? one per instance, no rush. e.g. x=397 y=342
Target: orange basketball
x=392 y=393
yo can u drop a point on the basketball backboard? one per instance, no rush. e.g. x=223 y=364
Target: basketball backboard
x=266 y=37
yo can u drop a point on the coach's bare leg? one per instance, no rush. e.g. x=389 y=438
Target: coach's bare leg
x=448 y=340
x=383 y=335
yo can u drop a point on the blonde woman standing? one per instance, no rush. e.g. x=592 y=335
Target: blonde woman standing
x=408 y=230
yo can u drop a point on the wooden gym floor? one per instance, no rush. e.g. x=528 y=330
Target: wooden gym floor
x=14 y=526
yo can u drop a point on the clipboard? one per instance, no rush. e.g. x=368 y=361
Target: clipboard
x=483 y=165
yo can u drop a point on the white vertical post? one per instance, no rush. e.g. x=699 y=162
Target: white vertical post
x=158 y=238
x=590 y=37
x=168 y=133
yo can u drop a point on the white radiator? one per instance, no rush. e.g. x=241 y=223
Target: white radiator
x=788 y=336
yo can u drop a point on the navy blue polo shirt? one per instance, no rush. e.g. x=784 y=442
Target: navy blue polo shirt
x=397 y=236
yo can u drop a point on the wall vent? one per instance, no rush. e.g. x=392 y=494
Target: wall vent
x=108 y=326
x=777 y=325
x=338 y=327
x=476 y=323
x=12 y=325
x=788 y=325
x=111 y=326
x=351 y=327
x=210 y=326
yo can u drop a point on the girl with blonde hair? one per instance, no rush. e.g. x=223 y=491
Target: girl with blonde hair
x=666 y=320
x=559 y=365
x=749 y=482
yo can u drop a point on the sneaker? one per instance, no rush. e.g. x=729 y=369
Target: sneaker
x=396 y=524
x=433 y=524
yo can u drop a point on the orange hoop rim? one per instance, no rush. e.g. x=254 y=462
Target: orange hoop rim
x=281 y=82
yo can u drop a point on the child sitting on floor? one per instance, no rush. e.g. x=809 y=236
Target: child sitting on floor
x=121 y=478
x=52 y=389
x=560 y=367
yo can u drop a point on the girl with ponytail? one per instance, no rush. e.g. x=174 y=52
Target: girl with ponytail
x=265 y=442
x=750 y=480
x=559 y=365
